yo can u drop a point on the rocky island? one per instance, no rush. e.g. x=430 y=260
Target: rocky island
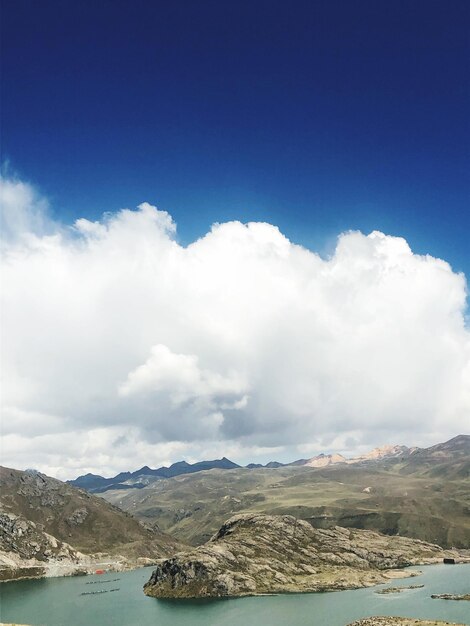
x=255 y=554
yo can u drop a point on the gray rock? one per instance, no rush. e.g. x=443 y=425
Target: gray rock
x=77 y=517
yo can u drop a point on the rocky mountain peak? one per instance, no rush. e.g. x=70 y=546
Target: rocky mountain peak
x=323 y=460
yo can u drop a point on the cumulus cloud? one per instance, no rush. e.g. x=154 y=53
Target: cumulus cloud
x=22 y=211
x=241 y=340
x=179 y=376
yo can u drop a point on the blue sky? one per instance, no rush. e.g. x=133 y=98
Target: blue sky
x=318 y=117
x=123 y=347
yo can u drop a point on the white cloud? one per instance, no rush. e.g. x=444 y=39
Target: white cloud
x=241 y=340
x=22 y=211
x=180 y=376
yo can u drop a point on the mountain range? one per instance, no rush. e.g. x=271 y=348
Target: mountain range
x=137 y=480
x=140 y=478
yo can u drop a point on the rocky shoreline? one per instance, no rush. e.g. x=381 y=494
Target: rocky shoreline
x=450 y=596
x=388 y=590
x=400 y=621
x=39 y=569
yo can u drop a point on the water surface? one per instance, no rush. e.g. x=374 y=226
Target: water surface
x=57 y=602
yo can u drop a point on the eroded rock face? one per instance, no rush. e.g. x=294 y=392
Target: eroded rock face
x=25 y=549
x=256 y=554
x=24 y=539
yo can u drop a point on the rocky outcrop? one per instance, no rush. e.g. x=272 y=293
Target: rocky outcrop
x=28 y=552
x=24 y=539
x=259 y=554
x=77 y=517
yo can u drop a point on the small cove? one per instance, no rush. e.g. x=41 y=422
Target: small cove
x=59 y=602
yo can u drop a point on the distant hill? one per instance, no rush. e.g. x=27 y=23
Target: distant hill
x=421 y=494
x=450 y=460
x=377 y=454
x=138 y=479
x=322 y=460
x=43 y=519
x=384 y=452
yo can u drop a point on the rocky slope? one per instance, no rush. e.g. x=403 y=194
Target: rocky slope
x=44 y=522
x=258 y=554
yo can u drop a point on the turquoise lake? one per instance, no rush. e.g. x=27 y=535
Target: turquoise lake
x=58 y=602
